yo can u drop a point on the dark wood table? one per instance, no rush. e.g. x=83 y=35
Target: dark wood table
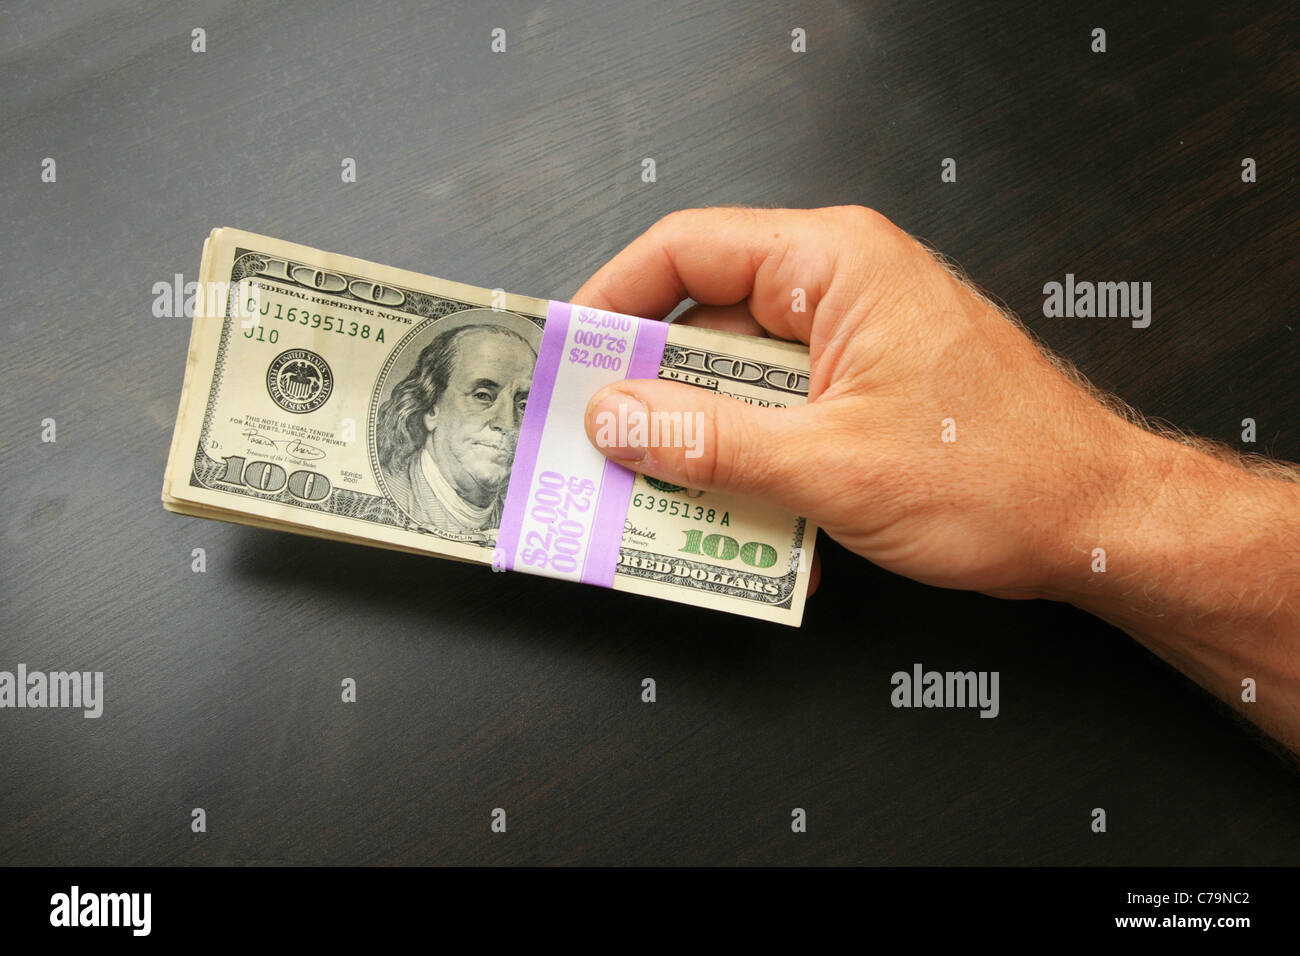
x=523 y=170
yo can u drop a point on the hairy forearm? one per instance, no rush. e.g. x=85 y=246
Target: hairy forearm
x=1202 y=566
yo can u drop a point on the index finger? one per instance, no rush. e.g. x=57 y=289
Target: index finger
x=771 y=259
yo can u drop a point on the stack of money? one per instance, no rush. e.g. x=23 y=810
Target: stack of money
x=335 y=397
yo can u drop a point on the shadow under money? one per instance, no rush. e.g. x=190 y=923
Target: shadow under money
x=460 y=601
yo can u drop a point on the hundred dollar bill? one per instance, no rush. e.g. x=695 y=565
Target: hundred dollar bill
x=335 y=397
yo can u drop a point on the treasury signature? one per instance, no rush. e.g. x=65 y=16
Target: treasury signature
x=294 y=448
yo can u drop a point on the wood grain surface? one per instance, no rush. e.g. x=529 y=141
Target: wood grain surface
x=522 y=170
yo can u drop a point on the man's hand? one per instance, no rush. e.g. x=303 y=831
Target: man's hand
x=941 y=443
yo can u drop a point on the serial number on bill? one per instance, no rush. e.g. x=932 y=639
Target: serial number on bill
x=681 y=509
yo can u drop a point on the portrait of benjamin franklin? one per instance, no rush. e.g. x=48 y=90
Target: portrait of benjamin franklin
x=446 y=435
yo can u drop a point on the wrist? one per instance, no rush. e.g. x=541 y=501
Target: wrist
x=1117 y=515
x=1179 y=537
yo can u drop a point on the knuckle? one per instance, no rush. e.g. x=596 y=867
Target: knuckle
x=706 y=470
x=719 y=466
x=864 y=218
x=733 y=455
x=673 y=221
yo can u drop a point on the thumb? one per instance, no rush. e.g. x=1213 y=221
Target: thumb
x=693 y=437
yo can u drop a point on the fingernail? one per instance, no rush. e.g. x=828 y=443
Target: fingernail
x=618 y=426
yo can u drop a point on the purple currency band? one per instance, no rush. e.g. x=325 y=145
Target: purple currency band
x=566 y=504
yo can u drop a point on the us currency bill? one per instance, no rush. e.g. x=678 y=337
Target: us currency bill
x=335 y=397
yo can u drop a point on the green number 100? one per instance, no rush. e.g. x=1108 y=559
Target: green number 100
x=269 y=477
x=724 y=547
